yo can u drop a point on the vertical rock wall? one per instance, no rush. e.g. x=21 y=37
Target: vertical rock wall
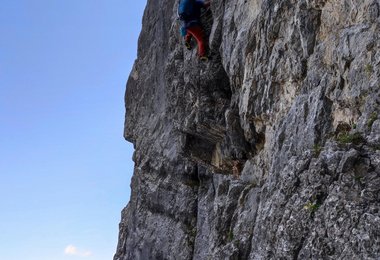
x=271 y=150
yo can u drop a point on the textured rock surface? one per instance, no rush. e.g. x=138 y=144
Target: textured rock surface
x=269 y=151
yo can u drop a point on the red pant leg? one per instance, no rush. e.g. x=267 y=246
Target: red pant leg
x=197 y=33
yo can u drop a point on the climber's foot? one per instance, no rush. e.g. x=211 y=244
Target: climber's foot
x=188 y=45
x=204 y=58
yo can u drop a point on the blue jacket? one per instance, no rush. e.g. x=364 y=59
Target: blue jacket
x=194 y=19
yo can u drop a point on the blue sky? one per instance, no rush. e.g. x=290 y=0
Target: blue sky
x=65 y=168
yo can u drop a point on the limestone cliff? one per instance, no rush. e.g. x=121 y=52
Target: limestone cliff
x=271 y=150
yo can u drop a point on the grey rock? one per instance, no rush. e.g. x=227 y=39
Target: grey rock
x=250 y=155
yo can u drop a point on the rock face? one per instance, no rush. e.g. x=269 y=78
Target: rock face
x=271 y=150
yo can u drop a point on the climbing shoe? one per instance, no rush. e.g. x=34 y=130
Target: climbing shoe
x=204 y=58
x=188 y=45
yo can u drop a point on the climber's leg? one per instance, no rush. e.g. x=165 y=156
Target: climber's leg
x=197 y=33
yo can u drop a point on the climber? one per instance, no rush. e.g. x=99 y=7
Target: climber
x=189 y=12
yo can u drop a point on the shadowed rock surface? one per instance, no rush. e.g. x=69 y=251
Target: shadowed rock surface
x=271 y=150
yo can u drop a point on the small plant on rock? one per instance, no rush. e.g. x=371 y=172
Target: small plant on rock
x=317 y=150
x=372 y=118
x=230 y=235
x=358 y=178
x=193 y=232
x=192 y=183
x=368 y=69
x=312 y=207
x=346 y=138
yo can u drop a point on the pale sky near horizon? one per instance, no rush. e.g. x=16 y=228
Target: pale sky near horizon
x=65 y=168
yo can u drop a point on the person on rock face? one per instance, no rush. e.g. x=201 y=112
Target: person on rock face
x=189 y=12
